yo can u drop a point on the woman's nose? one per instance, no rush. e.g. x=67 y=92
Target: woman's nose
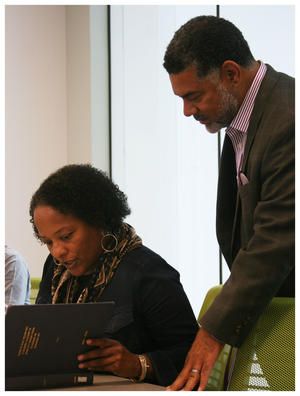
x=189 y=109
x=59 y=251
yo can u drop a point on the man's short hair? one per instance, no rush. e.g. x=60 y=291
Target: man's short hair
x=206 y=42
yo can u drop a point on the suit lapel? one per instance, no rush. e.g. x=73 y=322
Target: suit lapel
x=261 y=101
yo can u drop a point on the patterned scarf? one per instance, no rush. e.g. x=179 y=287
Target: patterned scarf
x=65 y=285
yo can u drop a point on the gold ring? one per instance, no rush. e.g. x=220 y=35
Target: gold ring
x=195 y=371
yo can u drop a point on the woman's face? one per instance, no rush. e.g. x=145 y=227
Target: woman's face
x=71 y=241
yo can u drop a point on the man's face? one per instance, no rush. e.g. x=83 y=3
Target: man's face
x=207 y=100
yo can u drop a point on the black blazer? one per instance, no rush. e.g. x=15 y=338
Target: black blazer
x=152 y=314
x=255 y=223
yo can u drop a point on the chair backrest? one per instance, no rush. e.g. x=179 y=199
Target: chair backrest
x=217 y=375
x=266 y=359
x=35 y=284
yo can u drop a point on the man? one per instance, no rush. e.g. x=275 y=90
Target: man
x=212 y=69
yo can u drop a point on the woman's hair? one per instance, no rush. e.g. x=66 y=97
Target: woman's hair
x=84 y=192
x=206 y=42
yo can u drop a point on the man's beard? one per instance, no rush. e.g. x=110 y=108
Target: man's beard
x=228 y=107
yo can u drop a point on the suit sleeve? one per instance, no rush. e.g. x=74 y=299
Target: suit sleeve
x=265 y=262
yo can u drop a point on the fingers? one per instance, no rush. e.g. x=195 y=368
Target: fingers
x=199 y=363
x=106 y=354
x=96 y=353
x=204 y=377
x=102 y=342
x=105 y=346
x=192 y=381
x=96 y=359
x=182 y=379
x=101 y=364
x=185 y=382
x=109 y=355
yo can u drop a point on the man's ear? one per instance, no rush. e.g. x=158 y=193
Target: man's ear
x=230 y=74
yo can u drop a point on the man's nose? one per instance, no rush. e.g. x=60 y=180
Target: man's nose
x=189 y=109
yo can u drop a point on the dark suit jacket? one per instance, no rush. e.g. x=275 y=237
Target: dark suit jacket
x=255 y=223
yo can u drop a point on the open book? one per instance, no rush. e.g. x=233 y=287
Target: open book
x=42 y=343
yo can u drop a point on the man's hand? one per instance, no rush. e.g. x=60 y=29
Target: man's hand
x=198 y=364
x=110 y=355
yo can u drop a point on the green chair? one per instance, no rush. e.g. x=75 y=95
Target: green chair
x=218 y=374
x=35 y=284
x=266 y=359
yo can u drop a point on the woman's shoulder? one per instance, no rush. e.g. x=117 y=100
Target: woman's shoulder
x=145 y=260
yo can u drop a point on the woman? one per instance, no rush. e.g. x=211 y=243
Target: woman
x=94 y=256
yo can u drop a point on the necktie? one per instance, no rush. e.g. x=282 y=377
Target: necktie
x=226 y=202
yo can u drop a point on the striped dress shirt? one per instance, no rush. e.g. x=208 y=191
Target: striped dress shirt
x=237 y=130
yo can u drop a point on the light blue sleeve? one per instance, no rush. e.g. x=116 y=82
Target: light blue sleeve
x=17 y=279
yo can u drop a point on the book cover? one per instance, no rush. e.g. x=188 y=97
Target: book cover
x=59 y=380
x=46 y=339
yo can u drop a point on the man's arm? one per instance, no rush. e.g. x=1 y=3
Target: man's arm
x=259 y=268
x=265 y=261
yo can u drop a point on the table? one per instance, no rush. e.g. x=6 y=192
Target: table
x=104 y=382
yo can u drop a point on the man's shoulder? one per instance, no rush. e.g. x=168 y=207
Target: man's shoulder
x=280 y=86
x=275 y=101
x=283 y=77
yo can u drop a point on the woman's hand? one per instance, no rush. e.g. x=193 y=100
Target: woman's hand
x=110 y=355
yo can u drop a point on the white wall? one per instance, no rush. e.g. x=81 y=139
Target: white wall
x=78 y=83
x=271 y=38
x=36 y=115
x=100 y=117
x=269 y=31
x=49 y=77
x=165 y=163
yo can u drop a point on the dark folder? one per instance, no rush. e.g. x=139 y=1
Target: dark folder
x=42 y=343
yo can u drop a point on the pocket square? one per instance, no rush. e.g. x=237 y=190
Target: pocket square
x=243 y=179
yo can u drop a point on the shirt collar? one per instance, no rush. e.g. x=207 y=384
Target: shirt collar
x=242 y=118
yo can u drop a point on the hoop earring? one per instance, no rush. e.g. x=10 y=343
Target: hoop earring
x=115 y=240
x=56 y=261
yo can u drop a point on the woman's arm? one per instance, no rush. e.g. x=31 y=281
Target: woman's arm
x=167 y=317
x=110 y=355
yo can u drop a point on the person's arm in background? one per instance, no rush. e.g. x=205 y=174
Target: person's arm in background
x=17 y=279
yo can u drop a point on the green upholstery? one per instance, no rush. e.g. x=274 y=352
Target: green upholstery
x=266 y=360
x=216 y=379
x=35 y=284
